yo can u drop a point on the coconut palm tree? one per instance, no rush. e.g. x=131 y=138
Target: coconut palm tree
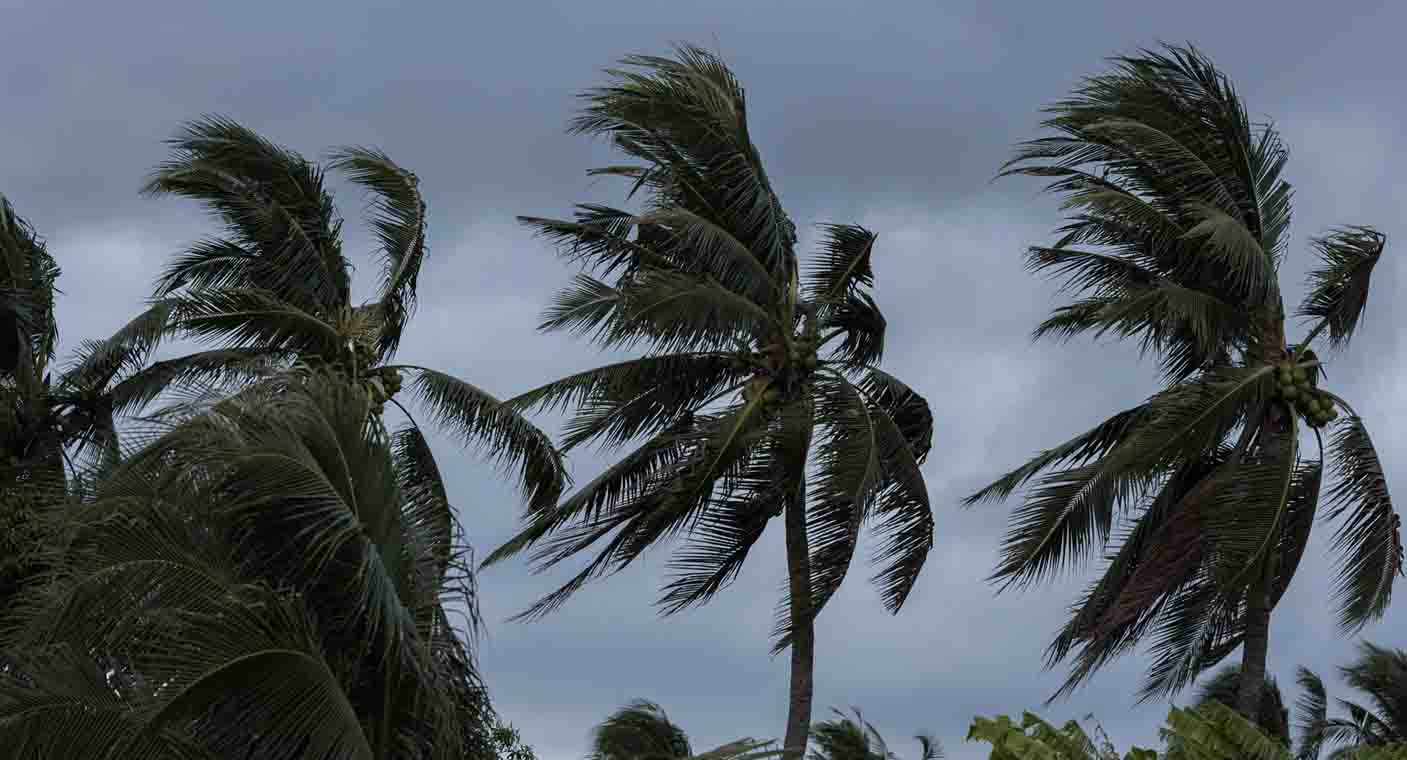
x=274 y=289
x=851 y=737
x=1034 y=738
x=271 y=575
x=1178 y=232
x=1382 y=675
x=56 y=428
x=751 y=369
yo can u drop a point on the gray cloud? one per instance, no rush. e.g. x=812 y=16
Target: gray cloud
x=896 y=116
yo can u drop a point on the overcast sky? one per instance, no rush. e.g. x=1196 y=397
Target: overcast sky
x=893 y=115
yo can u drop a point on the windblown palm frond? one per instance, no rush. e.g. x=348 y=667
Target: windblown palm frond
x=1338 y=290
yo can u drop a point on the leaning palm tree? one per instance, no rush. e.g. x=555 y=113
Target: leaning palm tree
x=269 y=576
x=851 y=737
x=274 y=290
x=1382 y=675
x=758 y=394
x=1179 y=230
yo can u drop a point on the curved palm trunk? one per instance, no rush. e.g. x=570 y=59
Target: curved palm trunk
x=1254 y=649
x=803 y=642
x=1268 y=347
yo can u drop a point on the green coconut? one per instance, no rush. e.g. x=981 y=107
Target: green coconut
x=1300 y=374
x=770 y=396
x=1291 y=392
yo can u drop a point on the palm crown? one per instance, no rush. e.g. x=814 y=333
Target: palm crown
x=747 y=359
x=275 y=289
x=1178 y=229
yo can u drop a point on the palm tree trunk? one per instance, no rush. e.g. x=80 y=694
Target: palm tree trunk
x=803 y=641
x=1254 y=650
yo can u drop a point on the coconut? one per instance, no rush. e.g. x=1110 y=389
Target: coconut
x=1291 y=392
x=770 y=396
x=1300 y=374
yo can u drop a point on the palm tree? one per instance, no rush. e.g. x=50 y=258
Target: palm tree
x=1176 y=240
x=274 y=290
x=639 y=731
x=270 y=575
x=1382 y=675
x=1272 y=717
x=642 y=731
x=750 y=370
x=853 y=738
x=56 y=432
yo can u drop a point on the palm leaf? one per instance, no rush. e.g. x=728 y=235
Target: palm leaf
x=1338 y=290
x=844 y=262
x=398 y=216
x=477 y=417
x=1312 y=709
x=1368 y=540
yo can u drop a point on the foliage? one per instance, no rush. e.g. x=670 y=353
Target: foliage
x=180 y=620
x=1273 y=717
x=1380 y=724
x=854 y=738
x=1200 y=499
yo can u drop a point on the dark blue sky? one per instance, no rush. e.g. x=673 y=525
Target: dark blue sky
x=895 y=115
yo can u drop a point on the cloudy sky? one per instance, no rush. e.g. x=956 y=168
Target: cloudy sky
x=894 y=115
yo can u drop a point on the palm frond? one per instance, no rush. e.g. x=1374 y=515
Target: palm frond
x=1089 y=445
x=398 y=215
x=1369 y=538
x=856 y=318
x=844 y=262
x=705 y=472
x=1338 y=289
x=253 y=318
x=479 y=418
x=905 y=407
x=1312 y=711
x=273 y=204
x=719 y=542
x=686 y=118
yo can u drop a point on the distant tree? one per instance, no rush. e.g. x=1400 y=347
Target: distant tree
x=639 y=731
x=1377 y=672
x=1272 y=717
x=851 y=737
x=642 y=731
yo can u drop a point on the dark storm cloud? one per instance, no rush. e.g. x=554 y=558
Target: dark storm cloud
x=892 y=114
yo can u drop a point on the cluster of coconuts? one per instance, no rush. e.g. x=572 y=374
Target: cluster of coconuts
x=761 y=387
x=389 y=385
x=1292 y=385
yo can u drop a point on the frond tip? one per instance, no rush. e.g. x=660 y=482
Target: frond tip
x=1338 y=289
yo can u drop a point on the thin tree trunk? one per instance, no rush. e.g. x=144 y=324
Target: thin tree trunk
x=803 y=641
x=1254 y=649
